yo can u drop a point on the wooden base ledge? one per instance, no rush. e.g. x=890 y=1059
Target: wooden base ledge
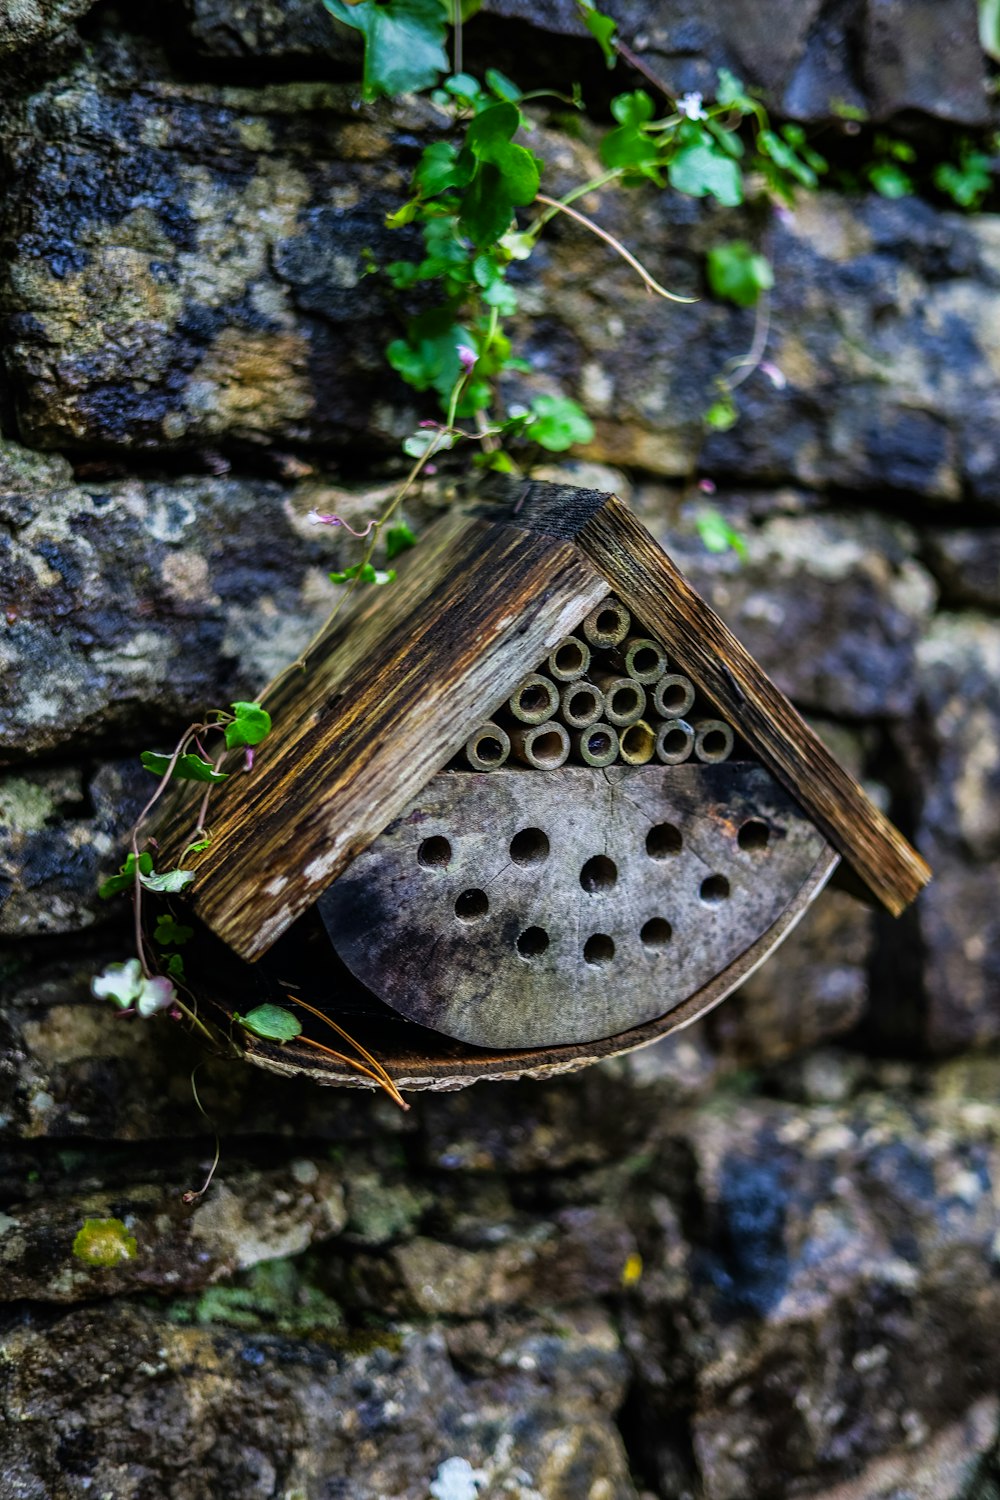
x=468 y=1065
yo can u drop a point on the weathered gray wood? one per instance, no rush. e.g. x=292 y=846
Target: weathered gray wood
x=524 y=909
x=452 y=1065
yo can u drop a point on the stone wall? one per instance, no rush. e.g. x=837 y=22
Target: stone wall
x=757 y=1261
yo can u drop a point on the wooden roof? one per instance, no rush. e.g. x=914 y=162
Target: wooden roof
x=390 y=694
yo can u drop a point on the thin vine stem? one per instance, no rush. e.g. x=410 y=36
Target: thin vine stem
x=609 y=239
x=592 y=186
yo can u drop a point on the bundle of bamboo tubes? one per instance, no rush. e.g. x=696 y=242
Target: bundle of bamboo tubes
x=604 y=695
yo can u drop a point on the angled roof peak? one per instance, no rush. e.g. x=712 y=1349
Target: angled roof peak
x=385 y=702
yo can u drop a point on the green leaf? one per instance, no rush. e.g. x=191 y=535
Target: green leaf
x=718 y=536
x=722 y=414
x=738 y=273
x=398 y=538
x=125 y=879
x=170 y=933
x=703 y=168
x=169 y=882
x=364 y=573
x=186 y=768
x=632 y=149
x=404 y=215
x=889 y=180
x=404 y=42
x=487 y=210
x=559 y=423
x=492 y=127
x=784 y=155
x=428 y=357
x=968 y=183
x=732 y=94
x=270 y=1022
x=633 y=109
x=498 y=83
x=463 y=86
x=602 y=28
x=438 y=169
x=251 y=725
x=175 y=968
x=519 y=170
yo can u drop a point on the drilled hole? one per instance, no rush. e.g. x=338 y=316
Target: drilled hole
x=532 y=942
x=599 y=743
x=569 y=658
x=656 y=933
x=674 y=698
x=608 y=621
x=529 y=847
x=753 y=835
x=599 y=874
x=488 y=749
x=599 y=950
x=434 y=853
x=714 y=890
x=663 y=841
x=471 y=905
x=715 y=742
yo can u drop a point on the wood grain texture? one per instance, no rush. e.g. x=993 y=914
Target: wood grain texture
x=419 y=1059
x=645 y=862
x=381 y=707
x=621 y=549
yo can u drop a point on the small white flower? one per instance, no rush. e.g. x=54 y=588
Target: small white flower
x=691 y=106
x=128 y=988
x=155 y=994
x=774 y=375
x=121 y=983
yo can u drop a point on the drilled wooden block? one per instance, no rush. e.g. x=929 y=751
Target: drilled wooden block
x=527 y=909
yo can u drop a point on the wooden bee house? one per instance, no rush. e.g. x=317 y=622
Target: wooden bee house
x=531 y=806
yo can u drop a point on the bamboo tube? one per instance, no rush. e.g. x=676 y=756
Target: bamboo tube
x=582 y=704
x=638 y=743
x=674 y=742
x=545 y=747
x=607 y=625
x=488 y=748
x=597 y=745
x=640 y=657
x=569 y=660
x=673 y=696
x=534 y=700
x=713 y=741
x=624 y=698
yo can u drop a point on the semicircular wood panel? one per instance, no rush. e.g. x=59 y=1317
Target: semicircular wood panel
x=533 y=910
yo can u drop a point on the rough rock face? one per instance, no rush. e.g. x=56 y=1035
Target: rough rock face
x=755 y=1262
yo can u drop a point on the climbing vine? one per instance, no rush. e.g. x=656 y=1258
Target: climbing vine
x=478 y=203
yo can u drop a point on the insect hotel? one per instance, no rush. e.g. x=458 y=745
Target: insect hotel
x=532 y=806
